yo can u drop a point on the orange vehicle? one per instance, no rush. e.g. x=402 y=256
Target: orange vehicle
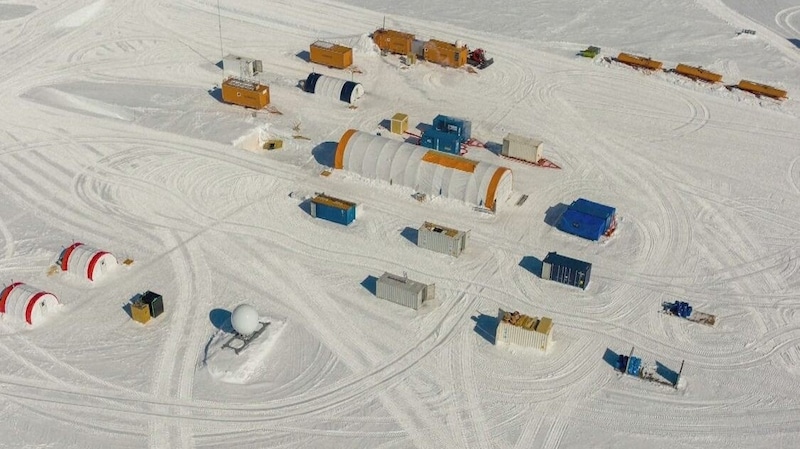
x=698 y=73
x=639 y=61
x=762 y=89
x=245 y=93
x=445 y=53
x=393 y=41
x=331 y=55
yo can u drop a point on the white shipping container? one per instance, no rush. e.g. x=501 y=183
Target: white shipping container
x=403 y=291
x=521 y=147
x=538 y=336
x=241 y=67
x=442 y=239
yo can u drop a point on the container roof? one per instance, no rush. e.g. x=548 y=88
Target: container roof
x=531 y=323
x=564 y=261
x=333 y=202
x=587 y=207
x=450 y=232
x=402 y=282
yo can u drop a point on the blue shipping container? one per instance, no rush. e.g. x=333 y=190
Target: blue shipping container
x=586 y=219
x=333 y=209
x=566 y=270
x=440 y=141
x=453 y=125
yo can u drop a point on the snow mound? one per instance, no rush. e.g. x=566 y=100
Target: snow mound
x=81 y=16
x=364 y=45
x=224 y=365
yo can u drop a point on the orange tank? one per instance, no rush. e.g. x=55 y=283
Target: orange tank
x=638 y=61
x=698 y=73
x=762 y=89
x=331 y=55
x=245 y=93
x=393 y=41
x=444 y=53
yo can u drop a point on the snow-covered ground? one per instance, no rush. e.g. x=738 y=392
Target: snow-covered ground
x=112 y=135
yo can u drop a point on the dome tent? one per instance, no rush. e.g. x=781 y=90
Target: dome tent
x=86 y=261
x=27 y=303
x=428 y=171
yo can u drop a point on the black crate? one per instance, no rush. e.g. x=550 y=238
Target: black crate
x=155 y=302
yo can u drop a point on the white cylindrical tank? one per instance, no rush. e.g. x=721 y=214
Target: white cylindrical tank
x=244 y=319
x=338 y=89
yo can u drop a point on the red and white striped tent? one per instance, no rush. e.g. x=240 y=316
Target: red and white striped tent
x=27 y=303
x=86 y=261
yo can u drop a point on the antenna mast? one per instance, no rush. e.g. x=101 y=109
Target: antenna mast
x=219 y=19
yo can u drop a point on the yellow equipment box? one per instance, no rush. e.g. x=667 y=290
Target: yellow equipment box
x=140 y=312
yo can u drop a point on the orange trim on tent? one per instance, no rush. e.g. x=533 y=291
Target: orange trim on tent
x=491 y=191
x=67 y=253
x=4 y=295
x=450 y=161
x=95 y=258
x=338 y=160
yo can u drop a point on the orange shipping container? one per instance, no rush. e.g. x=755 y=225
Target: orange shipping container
x=331 y=55
x=698 y=73
x=762 y=89
x=638 y=61
x=393 y=41
x=445 y=53
x=245 y=93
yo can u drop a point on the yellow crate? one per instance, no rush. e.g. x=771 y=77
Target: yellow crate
x=140 y=312
x=399 y=123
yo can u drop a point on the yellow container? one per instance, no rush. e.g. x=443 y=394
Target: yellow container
x=393 y=41
x=399 y=123
x=698 y=73
x=245 y=93
x=331 y=55
x=639 y=61
x=140 y=312
x=445 y=53
x=762 y=89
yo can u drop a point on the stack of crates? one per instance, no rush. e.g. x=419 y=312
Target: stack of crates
x=682 y=309
x=634 y=366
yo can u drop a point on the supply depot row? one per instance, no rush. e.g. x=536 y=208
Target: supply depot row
x=694 y=72
x=30 y=305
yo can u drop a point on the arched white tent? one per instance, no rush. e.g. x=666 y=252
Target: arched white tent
x=24 y=302
x=338 y=89
x=428 y=171
x=86 y=261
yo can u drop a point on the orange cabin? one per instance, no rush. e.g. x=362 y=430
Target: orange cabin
x=245 y=93
x=393 y=41
x=638 y=61
x=698 y=73
x=331 y=55
x=444 y=53
x=762 y=89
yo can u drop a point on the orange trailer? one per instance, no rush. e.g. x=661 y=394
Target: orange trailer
x=331 y=55
x=444 y=53
x=698 y=73
x=393 y=41
x=245 y=93
x=639 y=61
x=762 y=89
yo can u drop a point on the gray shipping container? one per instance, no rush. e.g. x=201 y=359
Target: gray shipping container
x=442 y=239
x=403 y=291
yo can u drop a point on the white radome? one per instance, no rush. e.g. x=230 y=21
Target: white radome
x=244 y=319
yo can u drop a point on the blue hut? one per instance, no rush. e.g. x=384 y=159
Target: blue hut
x=587 y=219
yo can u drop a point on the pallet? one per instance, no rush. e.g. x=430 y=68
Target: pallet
x=522 y=200
x=127 y=261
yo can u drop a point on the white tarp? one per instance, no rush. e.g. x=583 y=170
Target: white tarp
x=428 y=171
